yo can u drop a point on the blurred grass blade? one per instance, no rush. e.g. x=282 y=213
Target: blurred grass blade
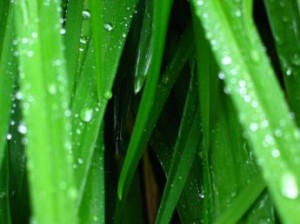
x=7 y=73
x=75 y=14
x=44 y=88
x=161 y=12
x=97 y=37
x=186 y=147
x=92 y=208
x=145 y=49
x=286 y=34
x=241 y=56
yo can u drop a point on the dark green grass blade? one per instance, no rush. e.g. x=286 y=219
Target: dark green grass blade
x=240 y=54
x=160 y=20
x=74 y=17
x=162 y=142
x=87 y=111
x=286 y=28
x=145 y=49
x=45 y=100
x=96 y=8
x=7 y=73
x=92 y=208
x=186 y=147
x=4 y=192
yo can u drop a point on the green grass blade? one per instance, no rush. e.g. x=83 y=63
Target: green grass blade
x=145 y=50
x=7 y=73
x=4 y=195
x=74 y=17
x=160 y=19
x=87 y=111
x=44 y=88
x=285 y=30
x=240 y=54
x=92 y=208
x=185 y=150
x=97 y=37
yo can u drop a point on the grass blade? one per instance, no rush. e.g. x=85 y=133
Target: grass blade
x=160 y=18
x=240 y=54
x=286 y=31
x=185 y=150
x=45 y=100
x=4 y=195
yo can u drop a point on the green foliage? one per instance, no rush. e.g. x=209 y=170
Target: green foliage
x=131 y=111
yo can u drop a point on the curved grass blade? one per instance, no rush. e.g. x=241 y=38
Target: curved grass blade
x=185 y=150
x=160 y=20
x=145 y=50
x=241 y=56
x=7 y=73
x=286 y=30
x=44 y=88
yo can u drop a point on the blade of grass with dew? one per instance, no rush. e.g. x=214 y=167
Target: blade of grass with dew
x=162 y=141
x=92 y=208
x=4 y=192
x=96 y=8
x=241 y=56
x=75 y=14
x=160 y=19
x=45 y=100
x=186 y=147
x=87 y=111
x=145 y=49
x=286 y=34
x=7 y=72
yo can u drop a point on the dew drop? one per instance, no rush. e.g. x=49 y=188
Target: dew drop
x=289 y=186
x=226 y=60
x=200 y=2
x=275 y=153
x=107 y=95
x=108 y=27
x=9 y=136
x=295 y=59
x=22 y=128
x=86 y=114
x=253 y=126
x=86 y=14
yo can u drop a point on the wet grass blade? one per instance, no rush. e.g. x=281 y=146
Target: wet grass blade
x=74 y=17
x=7 y=73
x=272 y=133
x=186 y=147
x=44 y=88
x=4 y=189
x=135 y=149
x=145 y=50
x=286 y=34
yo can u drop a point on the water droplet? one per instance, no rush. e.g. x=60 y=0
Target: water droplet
x=19 y=95
x=289 y=186
x=52 y=89
x=107 y=95
x=22 y=128
x=200 y=2
x=86 y=114
x=73 y=193
x=86 y=14
x=108 y=27
x=275 y=153
x=253 y=126
x=226 y=60
x=80 y=160
x=288 y=72
x=221 y=75
x=295 y=59
x=9 y=136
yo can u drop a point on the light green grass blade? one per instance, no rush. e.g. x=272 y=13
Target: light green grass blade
x=45 y=100
x=286 y=34
x=272 y=132
x=160 y=20
x=186 y=147
x=145 y=49
x=7 y=73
